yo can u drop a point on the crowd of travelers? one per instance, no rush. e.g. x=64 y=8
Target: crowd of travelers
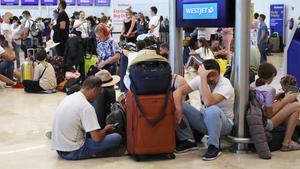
x=78 y=55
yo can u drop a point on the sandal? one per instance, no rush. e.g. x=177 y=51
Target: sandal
x=293 y=146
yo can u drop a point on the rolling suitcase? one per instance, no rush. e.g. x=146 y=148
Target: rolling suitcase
x=276 y=45
x=27 y=71
x=150 y=125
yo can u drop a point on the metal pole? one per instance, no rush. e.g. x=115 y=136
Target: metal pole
x=241 y=69
x=175 y=43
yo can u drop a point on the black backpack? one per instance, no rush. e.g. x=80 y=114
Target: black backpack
x=118 y=115
x=150 y=77
x=34 y=30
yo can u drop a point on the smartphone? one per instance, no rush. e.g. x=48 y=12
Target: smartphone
x=116 y=125
x=293 y=89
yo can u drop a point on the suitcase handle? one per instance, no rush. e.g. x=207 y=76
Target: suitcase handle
x=153 y=122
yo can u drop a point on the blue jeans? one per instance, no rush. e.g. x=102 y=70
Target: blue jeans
x=212 y=122
x=92 y=149
x=7 y=69
x=263 y=53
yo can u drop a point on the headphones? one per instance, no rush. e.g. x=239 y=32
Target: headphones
x=104 y=29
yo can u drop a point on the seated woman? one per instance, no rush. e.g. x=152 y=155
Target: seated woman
x=203 y=51
x=285 y=111
x=108 y=50
x=107 y=97
x=44 y=75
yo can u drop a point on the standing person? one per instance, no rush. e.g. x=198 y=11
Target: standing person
x=6 y=25
x=161 y=28
x=61 y=29
x=81 y=25
x=141 y=25
x=108 y=50
x=107 y=23
x=154 y=24
x=53 y=23
x=16 y=36
x=262 y=38
x=74 y=118
x=129 y=28
x=255 y=24
x=27 y=38
x=227 y=36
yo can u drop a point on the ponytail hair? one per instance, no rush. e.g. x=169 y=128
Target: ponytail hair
x=265 y=72
x=260 y=82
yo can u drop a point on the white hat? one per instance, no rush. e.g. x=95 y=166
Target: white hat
x=107 y=78
x=50 y=44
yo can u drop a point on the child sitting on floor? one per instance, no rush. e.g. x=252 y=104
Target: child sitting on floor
x=44 y=79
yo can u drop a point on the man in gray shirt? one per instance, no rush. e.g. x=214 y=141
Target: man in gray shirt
x=74 y=118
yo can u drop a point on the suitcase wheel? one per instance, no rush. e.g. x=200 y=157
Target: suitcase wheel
x=171 y=156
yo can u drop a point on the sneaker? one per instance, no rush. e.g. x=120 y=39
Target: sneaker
x=186 y=146
x=18 y=86
x=212 y=153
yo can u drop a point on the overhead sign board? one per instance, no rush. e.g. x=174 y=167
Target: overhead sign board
x=205 y=13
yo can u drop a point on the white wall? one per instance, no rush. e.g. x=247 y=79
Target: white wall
x=263 y=6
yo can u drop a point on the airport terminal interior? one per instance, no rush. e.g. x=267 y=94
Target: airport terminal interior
x=157 y=84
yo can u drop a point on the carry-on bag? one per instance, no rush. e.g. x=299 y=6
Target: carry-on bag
x=150 y=77
x=27 y=70
x=150 y=125
x=89 y=60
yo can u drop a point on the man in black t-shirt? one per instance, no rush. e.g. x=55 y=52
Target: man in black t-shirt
x=61 y=29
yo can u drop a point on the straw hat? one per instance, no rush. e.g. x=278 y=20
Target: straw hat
x=50 y=44
x=107 y=78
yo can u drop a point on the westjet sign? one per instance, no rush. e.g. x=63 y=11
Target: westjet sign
x=200 y=11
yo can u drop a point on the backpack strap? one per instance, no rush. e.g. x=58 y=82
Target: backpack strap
x=162 y=115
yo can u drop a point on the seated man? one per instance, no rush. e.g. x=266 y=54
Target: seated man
x=7 y=57
x=74 y=118
x=217 y=50
x=216 y=116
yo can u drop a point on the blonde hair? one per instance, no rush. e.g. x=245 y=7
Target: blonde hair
x=7 y=17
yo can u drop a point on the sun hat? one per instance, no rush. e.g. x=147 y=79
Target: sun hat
x=107 y=78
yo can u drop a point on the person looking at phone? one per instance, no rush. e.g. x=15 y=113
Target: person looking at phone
x=284 y=111
x=74 y=118
x=215 y=118
x=288 y=84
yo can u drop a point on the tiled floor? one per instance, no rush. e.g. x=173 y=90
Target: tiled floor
x=24 y=118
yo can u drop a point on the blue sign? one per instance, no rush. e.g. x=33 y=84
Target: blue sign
x=85 y=2
x=70 y=2
x=9 y=2
x=49 y=2
x=277 y=13
x=30 y=2
x=200 y=11
x=102 y=2
x=205 y=13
